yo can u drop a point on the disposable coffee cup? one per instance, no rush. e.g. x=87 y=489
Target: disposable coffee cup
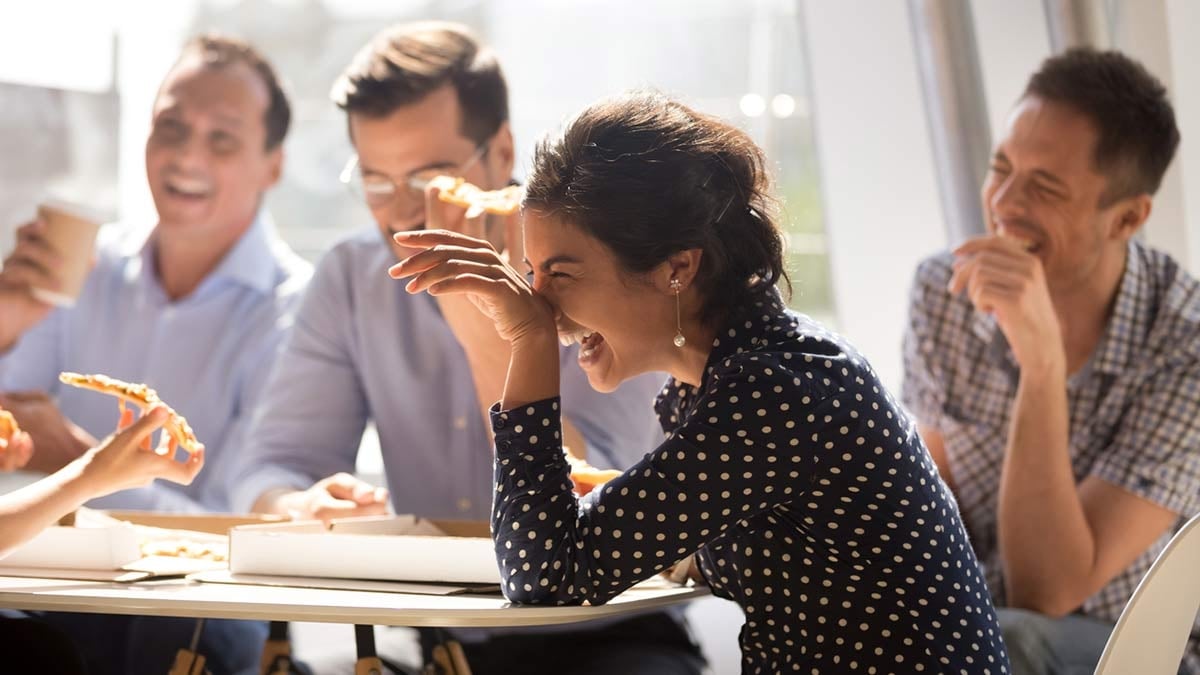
x=71 y=230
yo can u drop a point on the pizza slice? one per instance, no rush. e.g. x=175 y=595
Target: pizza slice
x=503 y=202
x=587 y=477
x=8 y=426
x=141 y=396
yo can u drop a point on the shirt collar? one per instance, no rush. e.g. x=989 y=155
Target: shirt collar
x=746 y=328
x=1128 y=323
x=1125 y=326
x=251 y=262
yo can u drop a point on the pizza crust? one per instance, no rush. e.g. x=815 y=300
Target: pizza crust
x=144 y=398
x=8 y=425
x=587 y=477
x=503 y=202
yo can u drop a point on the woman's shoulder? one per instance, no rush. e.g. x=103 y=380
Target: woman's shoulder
x=796 y=352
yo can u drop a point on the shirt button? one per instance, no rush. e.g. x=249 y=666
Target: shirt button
x=460 y=423
x=499 y=423
x=464 y=504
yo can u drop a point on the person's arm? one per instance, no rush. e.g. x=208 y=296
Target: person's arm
x=121 y=461
x=1060 y=541
x=486 y=351
x=308 y=421
x=555 y=549
x=58 y=440
x=923 y=388
x=32 y=263
x=935 y=443
x=28 y=377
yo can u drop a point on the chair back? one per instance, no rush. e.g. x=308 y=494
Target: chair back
x=1152 y=633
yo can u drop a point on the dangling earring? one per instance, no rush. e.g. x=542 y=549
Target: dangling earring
x=677 y=286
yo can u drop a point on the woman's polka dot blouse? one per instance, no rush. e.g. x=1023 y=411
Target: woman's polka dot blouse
x=802 y=487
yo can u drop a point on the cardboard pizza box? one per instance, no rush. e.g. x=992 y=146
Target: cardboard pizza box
x=385 y=548
x=153 y=544
x=109 y=547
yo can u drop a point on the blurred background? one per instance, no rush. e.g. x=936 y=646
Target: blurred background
x=876 y=115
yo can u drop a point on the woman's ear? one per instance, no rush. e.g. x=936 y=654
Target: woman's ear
x=682 y=267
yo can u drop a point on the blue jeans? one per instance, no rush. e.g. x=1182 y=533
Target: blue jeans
x=1040 y=645
x=132 y=645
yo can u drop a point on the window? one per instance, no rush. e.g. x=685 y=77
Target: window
x=743 y=61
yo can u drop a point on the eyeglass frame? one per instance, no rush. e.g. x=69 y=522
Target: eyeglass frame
x=411 y=182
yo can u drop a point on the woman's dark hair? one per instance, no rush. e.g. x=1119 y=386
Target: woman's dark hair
x=649 y=177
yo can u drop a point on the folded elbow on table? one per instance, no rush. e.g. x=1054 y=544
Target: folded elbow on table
x=1051 y=602
x=534 y=593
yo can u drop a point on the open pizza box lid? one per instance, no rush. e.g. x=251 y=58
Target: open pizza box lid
x=383 y=548
x=126 y=546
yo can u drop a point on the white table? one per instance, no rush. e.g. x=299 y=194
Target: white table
x=184 y=598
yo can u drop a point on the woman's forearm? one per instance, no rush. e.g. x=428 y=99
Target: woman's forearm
x=31 y=509
x=532 y=370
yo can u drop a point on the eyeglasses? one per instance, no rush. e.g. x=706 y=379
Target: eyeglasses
x=380 y=190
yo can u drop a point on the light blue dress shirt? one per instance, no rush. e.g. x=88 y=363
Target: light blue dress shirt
x=364 y=349
x=207 y=354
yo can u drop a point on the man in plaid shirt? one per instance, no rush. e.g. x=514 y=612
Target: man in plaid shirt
x=1053 y=366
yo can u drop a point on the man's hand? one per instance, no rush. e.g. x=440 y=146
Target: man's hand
x=487 y=353
x=57 y=440
x=474 y=331
x=15 y=452
x=33 y=263
x=1002 y=278
x=338 y=496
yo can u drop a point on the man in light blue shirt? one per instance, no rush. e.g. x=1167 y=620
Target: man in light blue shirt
x=206 y=354
x=196 y=309
x=423 y=100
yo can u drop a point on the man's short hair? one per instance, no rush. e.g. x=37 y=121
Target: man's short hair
x=406 y=62
x=1135 y=123
x=221 y=51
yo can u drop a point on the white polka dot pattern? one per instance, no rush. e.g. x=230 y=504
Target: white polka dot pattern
x=809 y=498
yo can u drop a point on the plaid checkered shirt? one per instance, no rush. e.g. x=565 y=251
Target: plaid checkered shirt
x=1134 y=408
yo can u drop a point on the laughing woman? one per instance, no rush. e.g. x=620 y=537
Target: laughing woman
x=793 y=475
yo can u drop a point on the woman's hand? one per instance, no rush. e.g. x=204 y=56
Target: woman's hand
x=126 y=460
x=450 y=262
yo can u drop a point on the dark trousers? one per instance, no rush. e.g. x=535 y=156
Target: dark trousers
x=32 y=646
x=133 y=645
x=653 y=644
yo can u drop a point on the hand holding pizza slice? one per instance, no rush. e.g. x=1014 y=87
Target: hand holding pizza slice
x=145 y=398
x=477 y=201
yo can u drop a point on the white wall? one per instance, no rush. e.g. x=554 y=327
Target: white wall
x=1141 y=30
x=882 y=213
x=1013 y=41
x=151 y=34
x=1183 y=33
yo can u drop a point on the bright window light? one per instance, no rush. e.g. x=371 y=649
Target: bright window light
x=783 y=106
x=752 y=105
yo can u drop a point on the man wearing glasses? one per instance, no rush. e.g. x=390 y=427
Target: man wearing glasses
x=423 y=100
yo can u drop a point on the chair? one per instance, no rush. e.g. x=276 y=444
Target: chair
x=1152 y=633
